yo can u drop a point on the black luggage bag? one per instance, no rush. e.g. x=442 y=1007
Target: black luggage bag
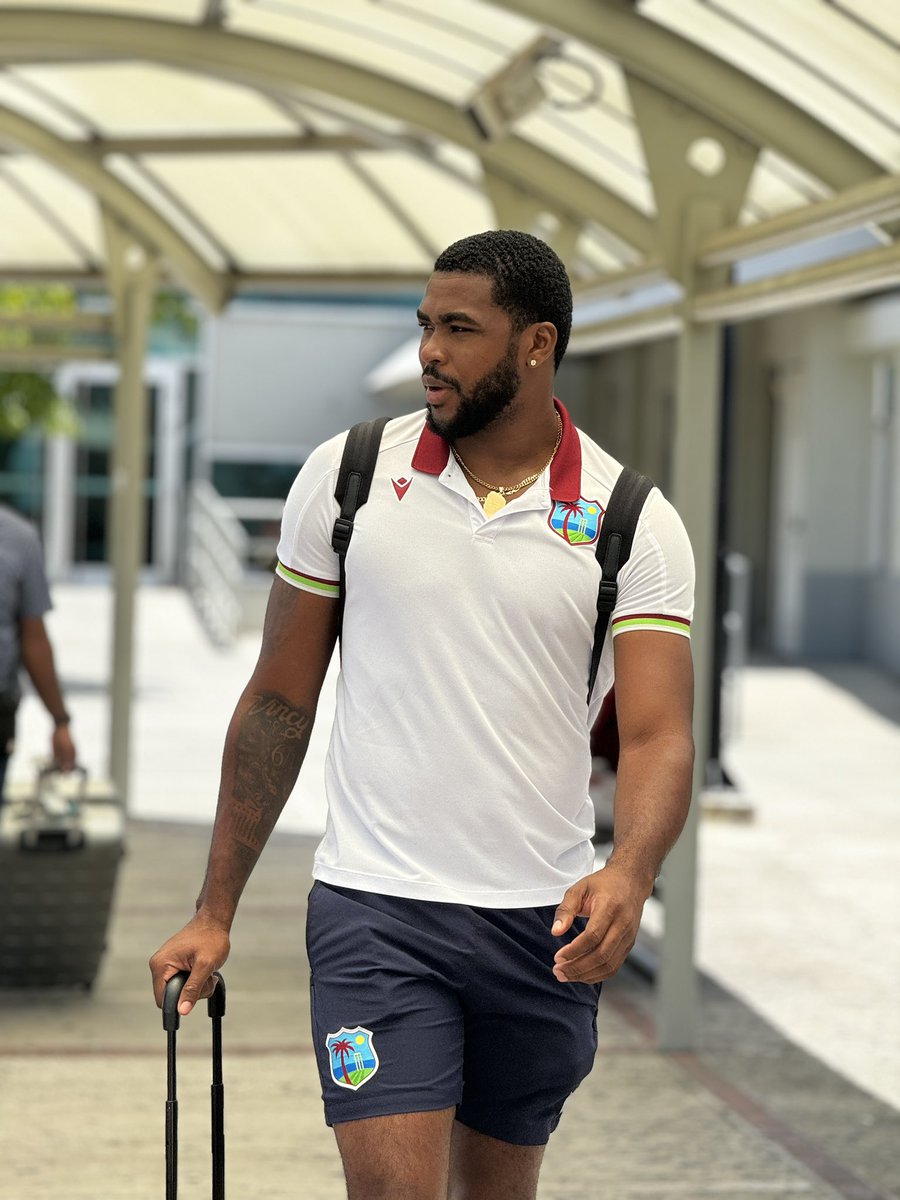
x=61 y=842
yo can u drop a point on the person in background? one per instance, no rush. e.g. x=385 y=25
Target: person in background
x=24 y=598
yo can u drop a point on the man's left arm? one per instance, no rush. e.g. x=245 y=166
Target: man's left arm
x=37 y=659
x=654 y=703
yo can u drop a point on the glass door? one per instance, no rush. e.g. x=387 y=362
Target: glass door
x=93 y=473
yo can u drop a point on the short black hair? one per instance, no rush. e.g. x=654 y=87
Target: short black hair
x=529 y=281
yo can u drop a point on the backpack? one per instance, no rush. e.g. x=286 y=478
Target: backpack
x=613 y=546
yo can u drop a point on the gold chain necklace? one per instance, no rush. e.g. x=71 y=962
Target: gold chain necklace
x=496 y=497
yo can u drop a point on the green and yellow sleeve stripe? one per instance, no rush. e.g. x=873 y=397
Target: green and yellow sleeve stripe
x=309 y=583
x=658 y=621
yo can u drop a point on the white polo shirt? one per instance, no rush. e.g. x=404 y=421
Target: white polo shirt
x=459 y=759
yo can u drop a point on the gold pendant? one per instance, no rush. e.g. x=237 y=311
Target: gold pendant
x=493 y=502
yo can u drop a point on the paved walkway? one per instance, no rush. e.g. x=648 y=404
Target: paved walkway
x=799 y=910
x=798 y=921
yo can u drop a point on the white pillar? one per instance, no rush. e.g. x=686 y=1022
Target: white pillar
x=694 y=493
x=59 y=506
x=132 y=278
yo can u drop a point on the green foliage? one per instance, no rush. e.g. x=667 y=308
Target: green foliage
x=54 y=298
x=20 y=300
x=29 y=401
x=174 y=310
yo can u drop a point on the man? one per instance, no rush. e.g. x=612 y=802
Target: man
x=457 y=932
x=24 y=598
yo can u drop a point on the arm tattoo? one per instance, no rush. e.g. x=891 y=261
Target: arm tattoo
x=273 y=736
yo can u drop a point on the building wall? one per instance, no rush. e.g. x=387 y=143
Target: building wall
x=623 y=399
x=279 y=379
x=873 y=333
x=834 y=561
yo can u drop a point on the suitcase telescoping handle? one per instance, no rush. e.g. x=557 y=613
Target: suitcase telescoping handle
x=171 y=1020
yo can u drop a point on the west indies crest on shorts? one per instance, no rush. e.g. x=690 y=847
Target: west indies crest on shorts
x=577 y=521
x=351 y=1057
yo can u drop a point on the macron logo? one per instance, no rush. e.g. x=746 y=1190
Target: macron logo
x=401 y=486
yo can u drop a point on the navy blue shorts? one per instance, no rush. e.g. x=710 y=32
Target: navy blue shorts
x=418 y=1005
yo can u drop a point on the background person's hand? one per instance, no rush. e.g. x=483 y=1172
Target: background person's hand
x=63 y=748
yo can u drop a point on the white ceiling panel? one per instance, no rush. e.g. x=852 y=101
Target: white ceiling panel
x=168 y=10
x=210 y=151
x=24 y=96
x=122 y=99
x=365 y=36
x=72 y=207
x=810 y=54
x=566 y=141
x=275 y=211
x=879 y=16
x=140 y=176
x=440 y=206
x=28 y=241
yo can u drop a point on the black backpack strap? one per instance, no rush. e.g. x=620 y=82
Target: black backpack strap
x=352 y=488
x=614 y=549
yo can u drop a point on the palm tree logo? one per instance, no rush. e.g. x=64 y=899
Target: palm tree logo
x=577 y=521
x=342 y=1047
x=351 y=1056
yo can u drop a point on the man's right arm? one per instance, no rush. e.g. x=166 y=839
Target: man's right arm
x=265 y=746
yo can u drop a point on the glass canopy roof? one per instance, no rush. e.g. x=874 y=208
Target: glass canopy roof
x=289 y=140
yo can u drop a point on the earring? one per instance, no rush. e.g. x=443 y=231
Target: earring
x=533 y=362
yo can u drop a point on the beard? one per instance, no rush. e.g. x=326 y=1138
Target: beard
x=488 y=400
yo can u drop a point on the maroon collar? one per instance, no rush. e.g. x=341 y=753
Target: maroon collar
x=433 y=453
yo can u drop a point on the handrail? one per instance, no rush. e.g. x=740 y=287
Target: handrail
x=217 y=551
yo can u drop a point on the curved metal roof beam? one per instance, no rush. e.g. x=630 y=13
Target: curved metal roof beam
x=707 y=83
x=45 y=34
x=134 y=212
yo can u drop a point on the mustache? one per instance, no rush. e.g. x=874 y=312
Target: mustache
x=430 y=373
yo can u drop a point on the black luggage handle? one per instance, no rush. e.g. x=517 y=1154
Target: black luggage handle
x=171 y=1020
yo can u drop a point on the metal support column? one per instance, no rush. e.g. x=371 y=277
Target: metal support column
x=700 y=173
x=132 y=273
x=695 y=481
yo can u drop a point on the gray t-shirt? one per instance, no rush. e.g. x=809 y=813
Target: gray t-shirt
x=23 y=591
